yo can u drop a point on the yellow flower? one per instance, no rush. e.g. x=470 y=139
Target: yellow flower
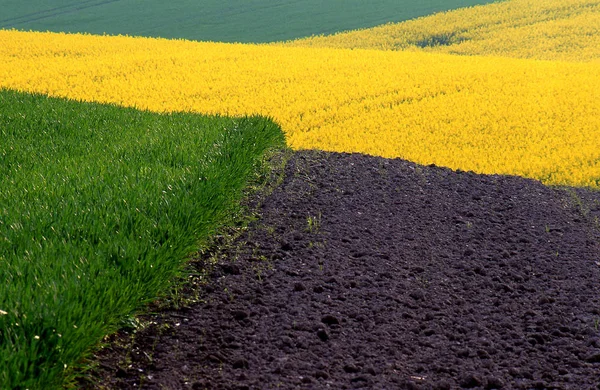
x=538 y=119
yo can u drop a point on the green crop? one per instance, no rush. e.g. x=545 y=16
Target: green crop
x=99 y=207
x=216 y=20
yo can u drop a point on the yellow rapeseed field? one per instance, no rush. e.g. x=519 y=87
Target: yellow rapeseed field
x=537 y=119
x=567 y=30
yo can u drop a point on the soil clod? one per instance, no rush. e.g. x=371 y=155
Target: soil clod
x=330 y=320
x=322 y=334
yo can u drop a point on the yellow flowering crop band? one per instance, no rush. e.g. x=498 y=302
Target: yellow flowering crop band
x=565 y=30
x=537 y=119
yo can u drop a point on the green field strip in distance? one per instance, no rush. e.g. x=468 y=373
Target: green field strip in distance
x=216 y=20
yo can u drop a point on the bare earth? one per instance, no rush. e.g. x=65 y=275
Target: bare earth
x=364 y=272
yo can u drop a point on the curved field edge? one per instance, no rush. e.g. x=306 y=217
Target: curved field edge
x=99 y=208
x=567 y=30
x=215 y=20
x=536 y=119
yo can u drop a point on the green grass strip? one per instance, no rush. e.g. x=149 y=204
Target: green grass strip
x=99 y=208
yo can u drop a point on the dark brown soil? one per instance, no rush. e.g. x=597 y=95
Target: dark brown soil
x=364 y=272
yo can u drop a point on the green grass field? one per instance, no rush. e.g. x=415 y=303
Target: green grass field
x=216 y=20
x=99 y=208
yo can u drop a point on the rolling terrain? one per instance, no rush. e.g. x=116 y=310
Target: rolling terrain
x=372 y=273
x=212 y=20
x=537 y=119
x=353 y=265
x=564 y=30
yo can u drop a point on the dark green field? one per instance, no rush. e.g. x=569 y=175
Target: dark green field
x=215 y=20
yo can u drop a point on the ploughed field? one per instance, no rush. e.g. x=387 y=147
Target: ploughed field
x=364 y=272
x=388 y=267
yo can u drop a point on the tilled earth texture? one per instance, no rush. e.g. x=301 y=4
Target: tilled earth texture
x=364 y=272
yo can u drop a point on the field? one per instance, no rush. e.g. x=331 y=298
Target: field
x=453 y=111
x=213 y=20
x=564 y=30
x=120 y=155
x=100 y=206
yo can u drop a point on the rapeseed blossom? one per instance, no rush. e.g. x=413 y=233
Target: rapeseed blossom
x=566 y=30
x=537 y=119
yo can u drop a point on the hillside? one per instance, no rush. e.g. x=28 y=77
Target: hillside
x=425 y=208
x=364 y=272
x=536 y=119
x=566 y=30
x=215 y=20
